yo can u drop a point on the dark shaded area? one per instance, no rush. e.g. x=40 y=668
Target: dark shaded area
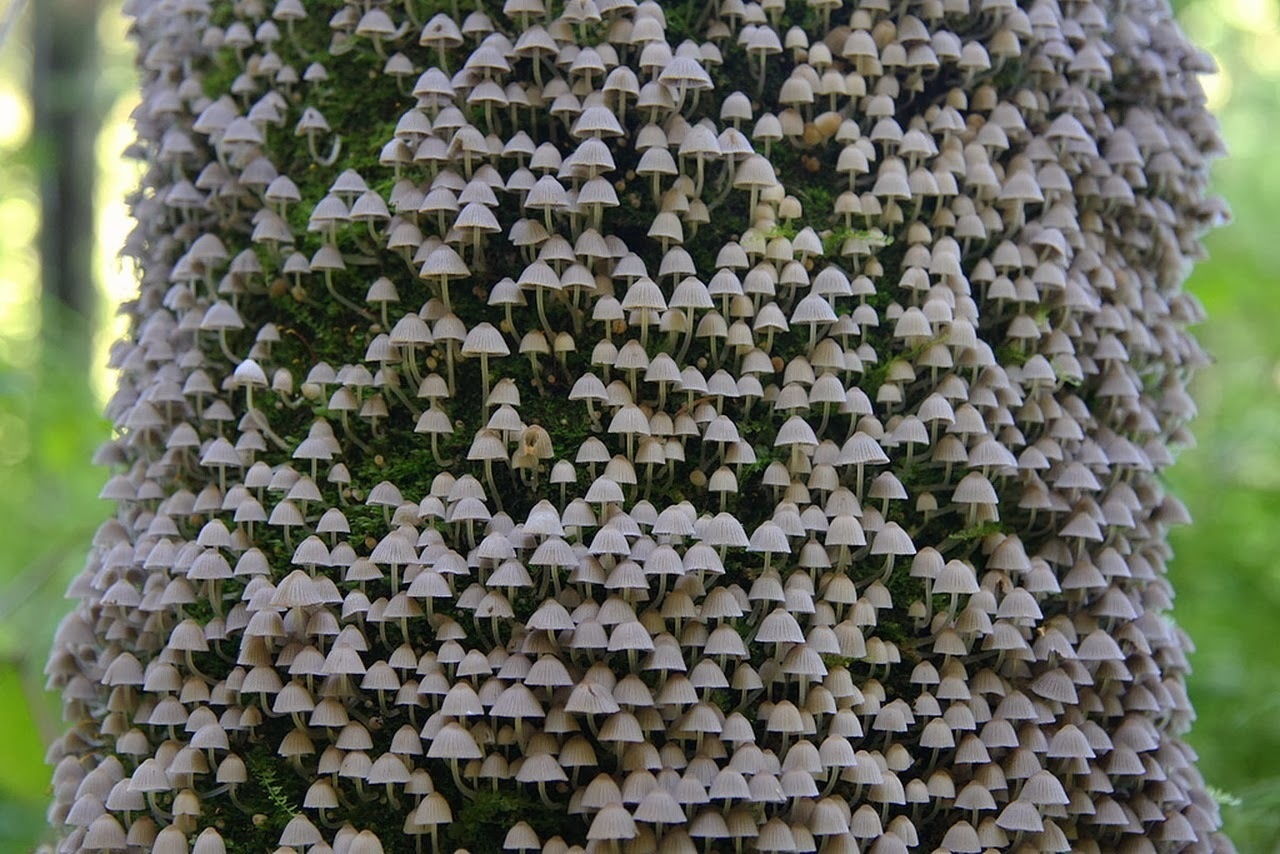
x=67 y=115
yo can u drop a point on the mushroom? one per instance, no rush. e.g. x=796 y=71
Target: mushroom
x=311 y=125
x=484 y=340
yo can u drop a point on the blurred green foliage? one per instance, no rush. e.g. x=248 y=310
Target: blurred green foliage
x=49 y=427
x=1226 y=570
x=1227 y=566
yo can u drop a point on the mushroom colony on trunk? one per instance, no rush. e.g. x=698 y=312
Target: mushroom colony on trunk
x=614 y=426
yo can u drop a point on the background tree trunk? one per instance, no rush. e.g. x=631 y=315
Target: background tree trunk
x=67 y=116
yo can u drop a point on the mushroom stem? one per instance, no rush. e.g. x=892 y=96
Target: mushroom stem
x=333 y=292
x=346 y=428
x=888 y=567
x=334 y=150
x=466 y=790
x=688 y=336
x=263 y=426
x=493 y=486
x=226 y=350
x=191 y=665
x=435 y=451
x=536 y=372
x=408 y=404
x=156 y=811
x=542 y=313
x=448 y=357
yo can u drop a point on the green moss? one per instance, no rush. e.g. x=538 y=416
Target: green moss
x=253 y=819
x=977 y=532
x=1012 y=354
x=200 y=610
x=274 y=792
x=482 y=824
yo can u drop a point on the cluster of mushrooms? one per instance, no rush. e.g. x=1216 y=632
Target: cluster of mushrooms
x=788 y=385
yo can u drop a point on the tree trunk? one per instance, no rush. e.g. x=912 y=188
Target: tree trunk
x=67 y=116
x=645 y=428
